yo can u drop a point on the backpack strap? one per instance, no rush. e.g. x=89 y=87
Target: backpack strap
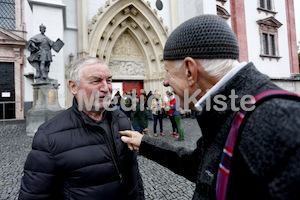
x=238 y=121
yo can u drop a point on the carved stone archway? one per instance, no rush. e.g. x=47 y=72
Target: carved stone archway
x=129 y=36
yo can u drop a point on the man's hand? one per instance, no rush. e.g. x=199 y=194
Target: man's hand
x=132 y=139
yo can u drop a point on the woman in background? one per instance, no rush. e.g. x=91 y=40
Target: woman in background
x=140 y=116
x=175 y=117
x=157 y=107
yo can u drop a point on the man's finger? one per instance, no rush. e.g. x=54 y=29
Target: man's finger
x=126 y=139
x=127 y=133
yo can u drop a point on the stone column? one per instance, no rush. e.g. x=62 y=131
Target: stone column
x=45 y=106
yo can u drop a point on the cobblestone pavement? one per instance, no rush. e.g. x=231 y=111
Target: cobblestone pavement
x=159 y=182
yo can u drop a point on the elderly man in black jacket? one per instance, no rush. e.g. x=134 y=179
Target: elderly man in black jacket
x=79 y=154
x=201 y=60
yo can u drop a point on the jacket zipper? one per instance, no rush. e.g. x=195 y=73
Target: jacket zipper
x=115 y=157
x=115 y=149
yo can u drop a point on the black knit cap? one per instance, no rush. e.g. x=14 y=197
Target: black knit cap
x=204 y=37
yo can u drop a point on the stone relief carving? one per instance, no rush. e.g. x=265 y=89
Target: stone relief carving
x=133 y=25
x=134 y=11
x=126 y=11
x=145 y=40
x=126 y=47
x=130 y=9
x=146 y=25
x=113 y=20
x=127 y=68
x=122 y=24
x=155 y=41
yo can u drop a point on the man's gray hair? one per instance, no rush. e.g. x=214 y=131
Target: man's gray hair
x=214 y=67
x=75 y=72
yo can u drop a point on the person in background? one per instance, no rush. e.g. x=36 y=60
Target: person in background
x=128 y=104
x=194 y=114
x=148 y=103
x=118 y=99
x=171 y=114
x=140 y=116
x=175 y=118
x=201 y=59
x=78 y=154
x=157 y=106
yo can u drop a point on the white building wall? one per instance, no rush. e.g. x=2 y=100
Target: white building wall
x=272 y=67
x=193 y=8
x=70 y=32
x=28 y=69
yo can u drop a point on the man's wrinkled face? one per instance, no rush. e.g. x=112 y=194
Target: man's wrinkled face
x=95 y=87
x=176 y=79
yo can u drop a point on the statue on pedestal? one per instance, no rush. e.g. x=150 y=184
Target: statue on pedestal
x=40 y=58
x=45 y=102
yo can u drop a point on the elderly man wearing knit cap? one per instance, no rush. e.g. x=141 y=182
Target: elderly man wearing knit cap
x=200 y=58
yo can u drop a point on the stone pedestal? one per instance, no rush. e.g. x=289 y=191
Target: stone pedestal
x=45 y=105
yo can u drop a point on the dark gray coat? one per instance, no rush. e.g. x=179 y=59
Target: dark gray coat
x=266 y=164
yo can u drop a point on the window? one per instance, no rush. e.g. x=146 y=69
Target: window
x=7 y=14
x=266 y=6
x=262 y=3
x=269 y=37
x=272 y=45
x=269 y=44
x=265 y=44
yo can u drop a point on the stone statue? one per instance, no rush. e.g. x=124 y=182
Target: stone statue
x=40 y=57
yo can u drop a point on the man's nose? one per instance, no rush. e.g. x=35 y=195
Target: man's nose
x=166 y=81
x=104 y=87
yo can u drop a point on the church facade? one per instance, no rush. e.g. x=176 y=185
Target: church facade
x=129 y=35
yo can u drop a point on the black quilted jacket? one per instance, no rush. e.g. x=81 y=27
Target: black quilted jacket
x=73 y=158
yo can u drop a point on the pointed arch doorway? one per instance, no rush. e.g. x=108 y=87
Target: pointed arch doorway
x=127 y=63
x=129 y=36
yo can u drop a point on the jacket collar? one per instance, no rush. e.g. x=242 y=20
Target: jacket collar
x=246 y=81
x=109 y=115
x=221 y=82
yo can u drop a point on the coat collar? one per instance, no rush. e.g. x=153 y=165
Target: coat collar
x=246 y=81
x=109 y=115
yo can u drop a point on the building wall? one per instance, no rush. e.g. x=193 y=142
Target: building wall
x=28 y=69
x=271 y=67
x=12 y=45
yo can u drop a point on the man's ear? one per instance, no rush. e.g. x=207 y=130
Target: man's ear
x=191 y=70
x=73 y=87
